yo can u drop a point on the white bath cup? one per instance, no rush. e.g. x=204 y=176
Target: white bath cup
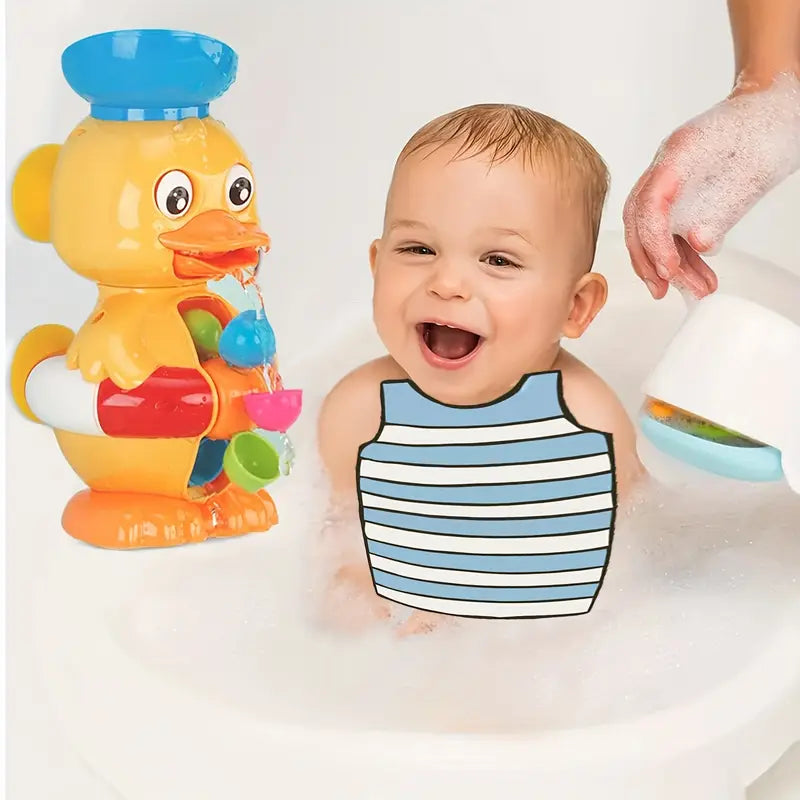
x=737 y=364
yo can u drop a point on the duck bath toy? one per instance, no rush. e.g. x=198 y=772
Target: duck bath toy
x=162 y=400
x=726 y=393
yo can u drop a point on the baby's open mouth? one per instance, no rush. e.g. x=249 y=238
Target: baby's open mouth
x=448 y=342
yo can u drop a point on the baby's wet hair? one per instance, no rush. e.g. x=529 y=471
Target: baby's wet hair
x=506 y=131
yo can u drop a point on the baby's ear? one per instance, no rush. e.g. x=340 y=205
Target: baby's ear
x=373 y=255
x=30 y=192
x=588 y=298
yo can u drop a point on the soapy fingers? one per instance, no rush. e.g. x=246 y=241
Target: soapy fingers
x=703 y=180
x=659 y=256
x=642 y=264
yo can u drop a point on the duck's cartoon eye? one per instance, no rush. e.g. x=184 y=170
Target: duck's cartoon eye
x=174 y=194
x=239 y=187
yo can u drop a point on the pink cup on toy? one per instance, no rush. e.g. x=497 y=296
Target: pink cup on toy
x=274 y=411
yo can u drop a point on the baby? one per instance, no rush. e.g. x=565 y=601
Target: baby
x=483 y=267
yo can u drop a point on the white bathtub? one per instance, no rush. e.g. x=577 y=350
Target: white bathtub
x=194 y=672
x=182 y=673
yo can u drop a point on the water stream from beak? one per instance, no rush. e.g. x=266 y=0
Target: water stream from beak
x=253 y=299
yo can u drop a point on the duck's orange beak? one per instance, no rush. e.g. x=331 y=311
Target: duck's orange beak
x=214 y=244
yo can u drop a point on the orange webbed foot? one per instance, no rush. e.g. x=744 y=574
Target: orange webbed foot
x=234 y=512
x=125 y=521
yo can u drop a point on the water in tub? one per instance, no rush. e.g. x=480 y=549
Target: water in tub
x=696 y=574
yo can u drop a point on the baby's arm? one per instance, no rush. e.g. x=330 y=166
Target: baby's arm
x=595 y=405
x=350 y=416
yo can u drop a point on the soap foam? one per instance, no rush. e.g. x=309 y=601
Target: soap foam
x=695 y=578
x=700 y=578
x=731 y=155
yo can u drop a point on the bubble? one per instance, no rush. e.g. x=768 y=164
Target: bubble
x=731 y=155
x=700 y=580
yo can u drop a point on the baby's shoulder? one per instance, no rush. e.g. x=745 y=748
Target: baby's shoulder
x=360 y=388
x=350 y=416
x=594 y=404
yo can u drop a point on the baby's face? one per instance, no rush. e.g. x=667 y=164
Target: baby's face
x=475 y=273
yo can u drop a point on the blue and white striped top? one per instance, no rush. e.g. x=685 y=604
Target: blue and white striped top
x=502 y=510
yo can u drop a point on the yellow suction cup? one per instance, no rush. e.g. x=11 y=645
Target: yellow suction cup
x=30 y=192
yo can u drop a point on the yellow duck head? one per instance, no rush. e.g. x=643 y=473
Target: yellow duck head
x=148 y=191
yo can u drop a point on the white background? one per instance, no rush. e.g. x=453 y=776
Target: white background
x=326 y=96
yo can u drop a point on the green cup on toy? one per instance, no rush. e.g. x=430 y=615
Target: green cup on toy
x=251 y=462
x=205 y=330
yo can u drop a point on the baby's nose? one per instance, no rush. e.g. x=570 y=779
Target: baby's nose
x=448 y=281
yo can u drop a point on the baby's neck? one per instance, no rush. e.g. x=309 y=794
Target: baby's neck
x=550 y=359
x=556 y=358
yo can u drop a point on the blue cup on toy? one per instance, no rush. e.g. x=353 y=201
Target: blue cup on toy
x=247 y=341
x=208 y=464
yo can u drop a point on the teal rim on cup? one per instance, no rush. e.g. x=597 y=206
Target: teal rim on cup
x=251 y=462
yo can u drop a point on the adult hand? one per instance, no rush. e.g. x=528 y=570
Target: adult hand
x=703 y=180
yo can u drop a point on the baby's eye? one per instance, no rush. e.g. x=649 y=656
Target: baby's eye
x=496 y=260
x=417 y=250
